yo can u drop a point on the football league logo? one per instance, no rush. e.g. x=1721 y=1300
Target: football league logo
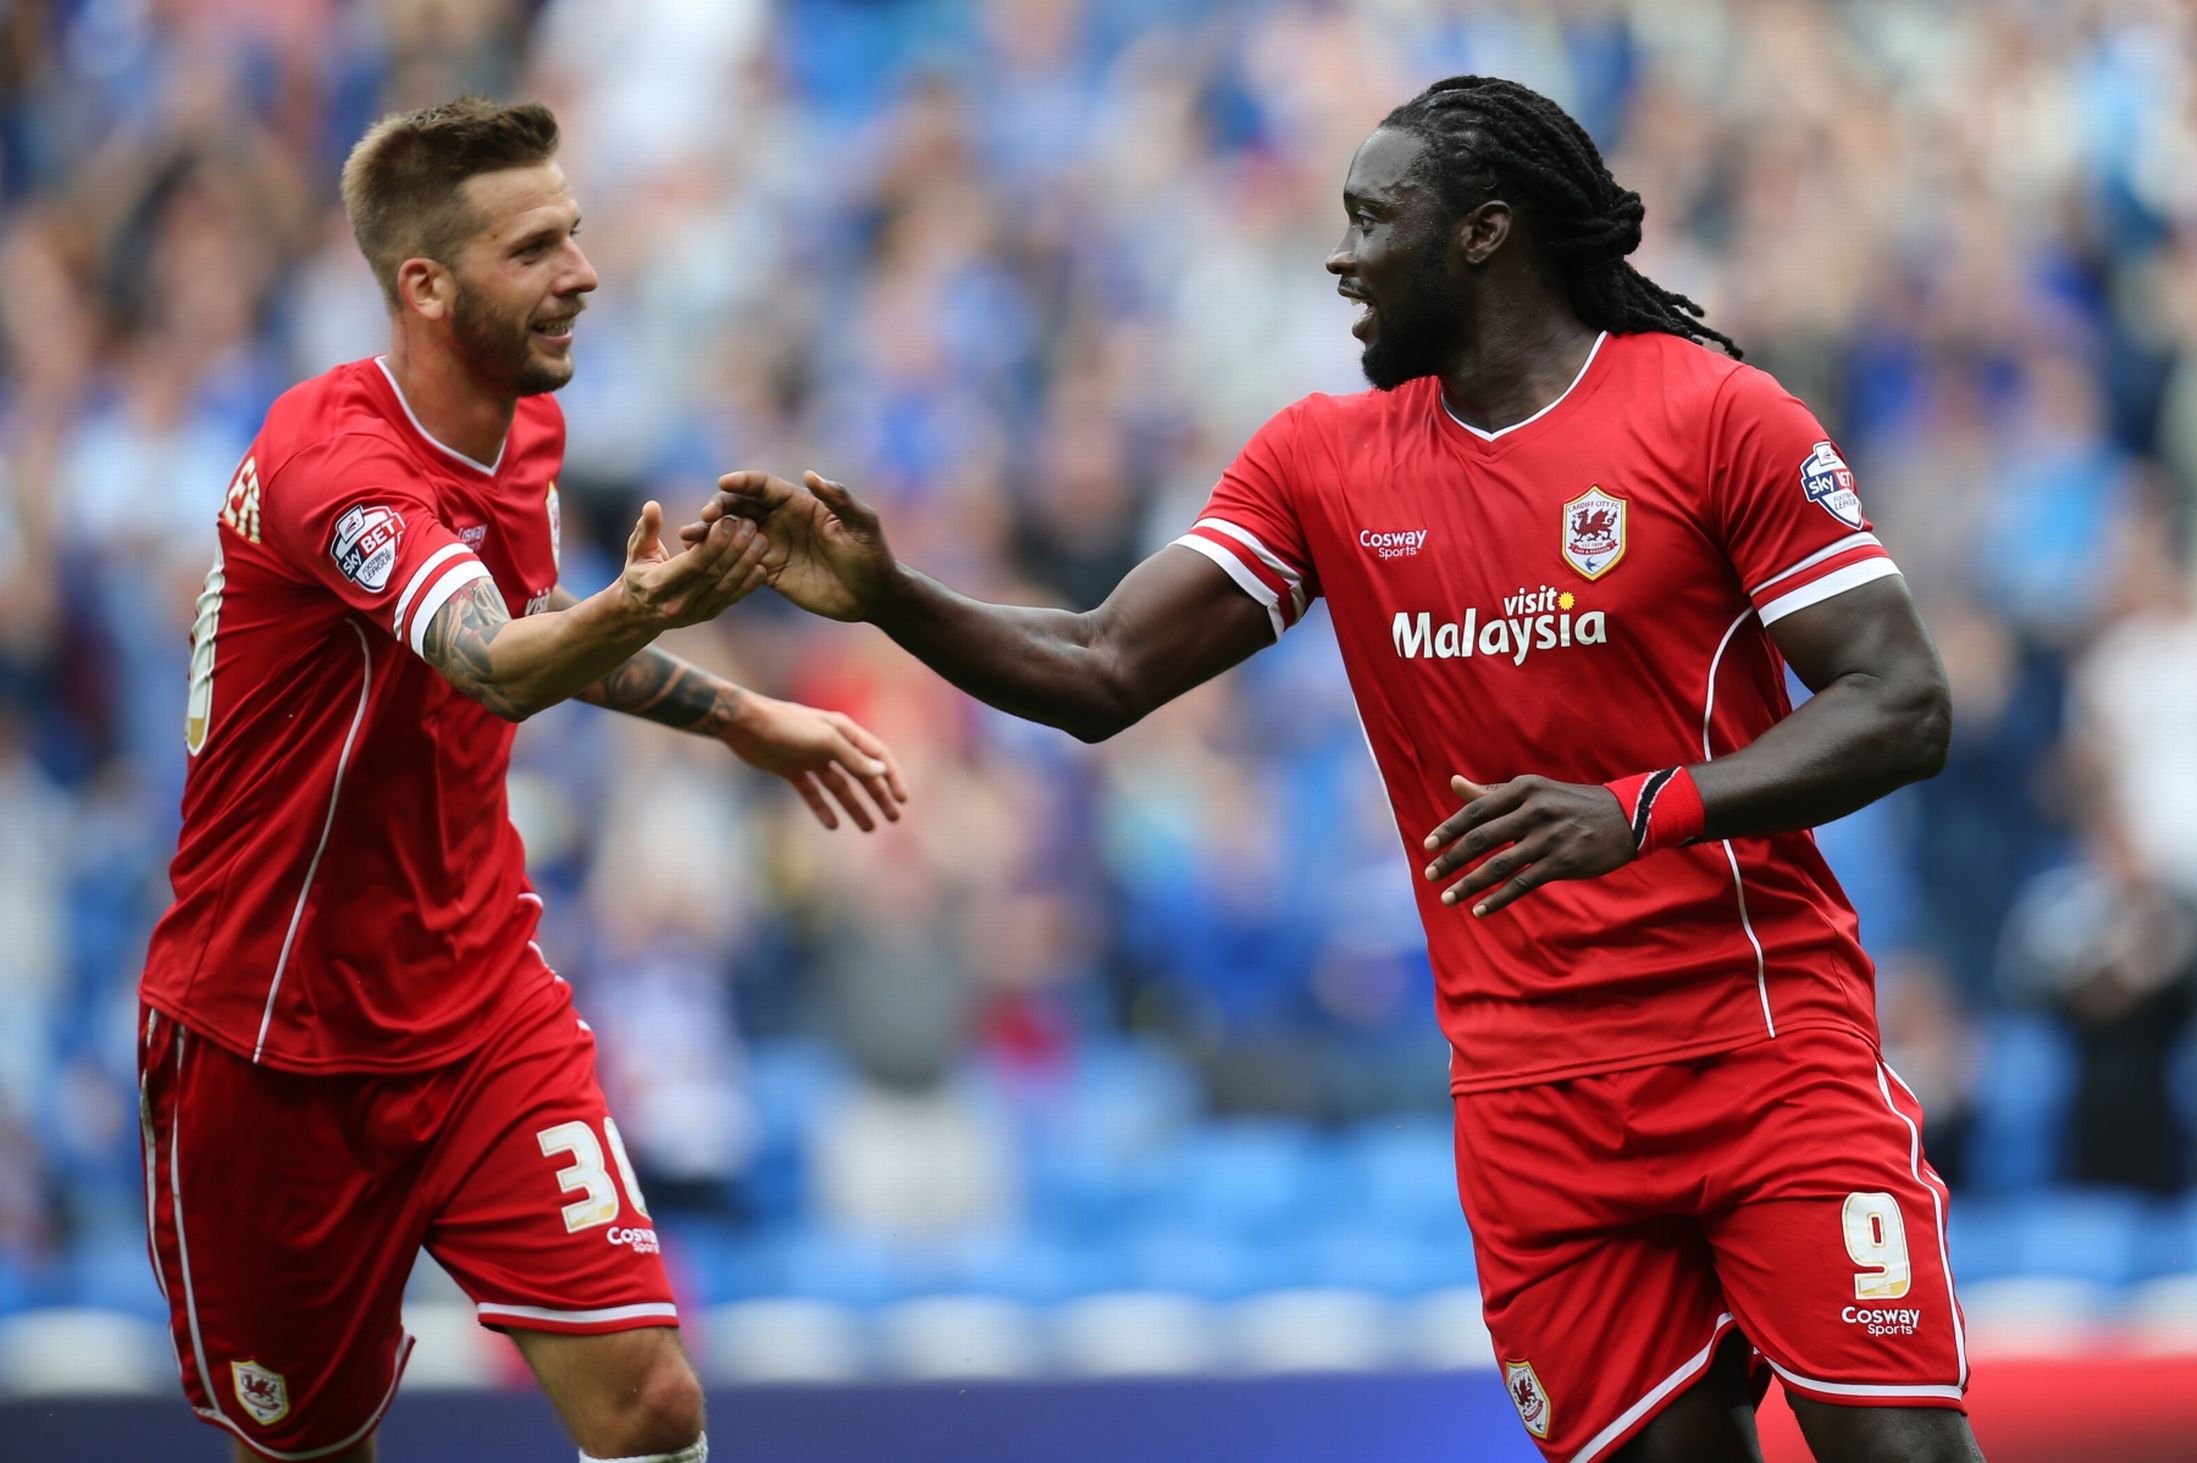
x=1594 y=532
x=264 y=1394
x=365 y=545
x=1829 y=482
x=1526 y=1395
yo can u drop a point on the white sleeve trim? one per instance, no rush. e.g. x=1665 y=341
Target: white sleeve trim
x=1237 y=570
x=419 y=577
x=1250 y=541
x=491 y=1311
x=1851 y=541
x=1830 y=586
x=457 y=578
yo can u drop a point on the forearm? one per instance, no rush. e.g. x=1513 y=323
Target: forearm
x=518 y=667
x=658 y=686
x=1044 y=665
x=1857 y=739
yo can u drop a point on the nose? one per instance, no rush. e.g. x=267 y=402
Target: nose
x=580 y=278
x=1344 y=260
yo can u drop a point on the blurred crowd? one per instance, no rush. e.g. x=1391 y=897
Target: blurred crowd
x=1025 y=273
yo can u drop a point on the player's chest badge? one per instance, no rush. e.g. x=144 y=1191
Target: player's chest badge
x=1594 y=532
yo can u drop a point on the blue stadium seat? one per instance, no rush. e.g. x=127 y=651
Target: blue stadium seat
x=1253 y=1179
x=1402 y=1174
x=1387 y=1259
x=2082 y=1234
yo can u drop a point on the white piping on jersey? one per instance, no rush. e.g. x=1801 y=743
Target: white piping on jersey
x=1267 y=556
x=1937 y=1202
x=1851 y=1389
x=1831 y=585
x=663 y=1309
x=175 y=1196
x=1601 y=1440
x=343 y=760
x=419 y=577
x=455 y=578
x=1851 y=541
x=1739 y=885
x=429 y=437
x=1239 y=571
x=1486 y=436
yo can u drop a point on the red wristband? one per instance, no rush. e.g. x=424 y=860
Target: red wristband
x=1664 y=808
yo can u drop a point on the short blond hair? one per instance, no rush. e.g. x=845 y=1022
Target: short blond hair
x=401 y=182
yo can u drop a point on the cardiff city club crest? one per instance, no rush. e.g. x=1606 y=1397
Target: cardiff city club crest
x=1526 y=1394
x=1594 y=532
x=264 y=1394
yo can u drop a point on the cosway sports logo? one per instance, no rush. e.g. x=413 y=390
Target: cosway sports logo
x=1883 y=1320
x=642 y=1241
x=1532 y=619
x=1393 y=545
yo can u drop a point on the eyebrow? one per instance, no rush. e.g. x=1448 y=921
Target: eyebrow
x=543 y=235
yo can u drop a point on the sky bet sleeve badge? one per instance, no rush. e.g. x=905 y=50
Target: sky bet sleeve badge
x=1827 y=480
x=1594 y=532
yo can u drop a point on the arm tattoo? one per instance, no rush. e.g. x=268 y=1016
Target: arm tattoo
x=662 y=688
x=458 y=639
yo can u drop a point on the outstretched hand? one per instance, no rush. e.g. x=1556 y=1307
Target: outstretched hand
x=716 y=569
x=820 y=752
x=1555 y=830
x=826 y=551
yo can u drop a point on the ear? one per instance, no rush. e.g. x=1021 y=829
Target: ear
x=425 y=288
x=1477 y=235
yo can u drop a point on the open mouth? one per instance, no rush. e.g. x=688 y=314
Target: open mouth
x=555 y=330
x=1367 y=314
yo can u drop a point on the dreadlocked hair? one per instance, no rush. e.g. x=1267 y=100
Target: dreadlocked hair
x=1485 y=134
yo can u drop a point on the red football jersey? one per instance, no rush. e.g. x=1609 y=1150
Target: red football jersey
x=350 y=894
x=1583 y=595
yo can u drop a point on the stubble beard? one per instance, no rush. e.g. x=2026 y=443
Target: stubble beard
x=1417 y=333
x=499 y=348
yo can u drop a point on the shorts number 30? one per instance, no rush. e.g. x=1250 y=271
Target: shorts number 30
x=585 y=1175
x=1876 y=1240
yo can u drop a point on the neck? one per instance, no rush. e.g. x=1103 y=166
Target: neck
x=1514 y=363
x=450 y=404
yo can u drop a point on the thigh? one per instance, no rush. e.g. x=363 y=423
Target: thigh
x=537 y=1215
x=1885 y=1434
x=1600 y=1321
x=620 y=1394
x=281 y=1237
x=1832 y=1252
x=1712 y=1421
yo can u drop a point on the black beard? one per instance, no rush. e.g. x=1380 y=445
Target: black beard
x=1416 y=330
x=500 y=348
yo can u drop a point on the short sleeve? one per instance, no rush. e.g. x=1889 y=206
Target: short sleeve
x=1250 y=525
x=352 y=516
x=1783 y=501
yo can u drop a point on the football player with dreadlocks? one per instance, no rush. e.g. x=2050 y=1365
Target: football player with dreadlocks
x=1570 y=545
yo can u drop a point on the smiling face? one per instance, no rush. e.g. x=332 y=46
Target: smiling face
x=517 y=283
x=1394 y=260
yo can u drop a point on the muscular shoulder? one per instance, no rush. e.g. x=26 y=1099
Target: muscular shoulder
x=328 y=424
x=1695 y=388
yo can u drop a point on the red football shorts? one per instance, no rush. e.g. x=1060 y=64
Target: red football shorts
x=1623 y=1223
x=286 y=1211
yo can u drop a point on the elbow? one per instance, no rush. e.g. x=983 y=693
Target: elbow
x=1112 y=708
x=506 y=704
x=1926 y=731
x=1094 y=727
